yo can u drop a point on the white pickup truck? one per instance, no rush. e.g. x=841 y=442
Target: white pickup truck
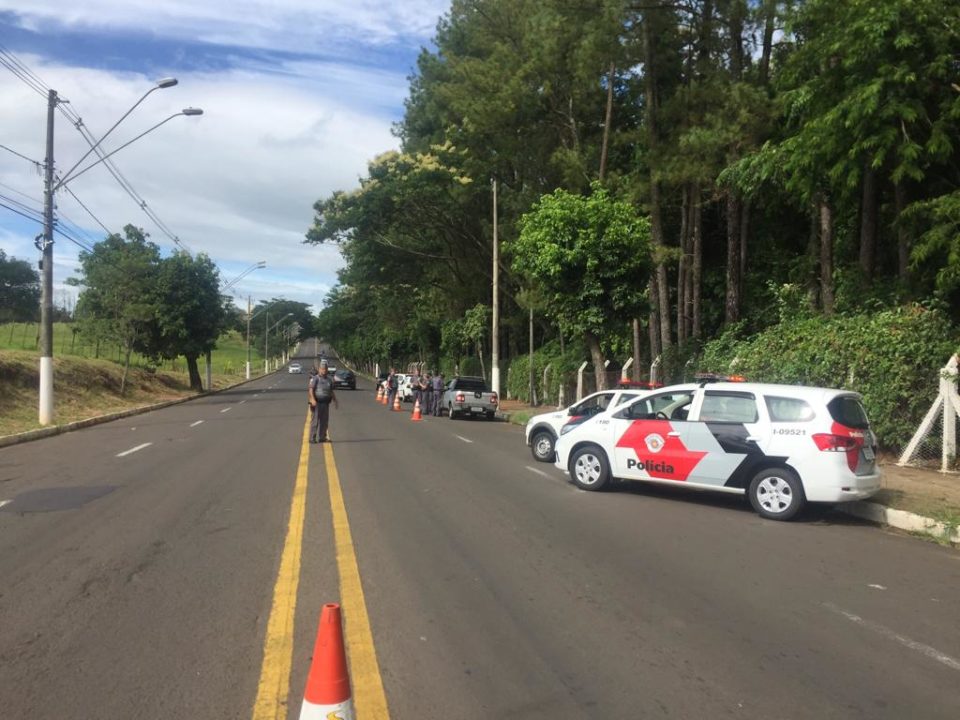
x=466 y=395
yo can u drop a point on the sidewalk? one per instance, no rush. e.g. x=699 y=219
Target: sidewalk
x=915 y=500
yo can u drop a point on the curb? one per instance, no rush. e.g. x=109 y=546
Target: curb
x=40 y=433
x=902 y=520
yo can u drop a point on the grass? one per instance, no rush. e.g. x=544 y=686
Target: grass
x=86 y=387
x=229 y=357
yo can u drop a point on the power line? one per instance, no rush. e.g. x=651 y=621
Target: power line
x=32 y=80
x=35 y=162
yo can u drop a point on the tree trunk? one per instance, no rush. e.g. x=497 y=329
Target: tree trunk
x=696 y=327
x=656 y=338
x=903 y=237
x=194 y=371
x=744 y=234
x=732 y=305
x=596 y=357
x=813 y=259
x=737 y=12
x=769 y=12
x=606 y=122
x=483 y=369
x=636 y=349
x=868 y=223
x=683 y=266
x=826 y=255
x=533 y=382
x=662 y=306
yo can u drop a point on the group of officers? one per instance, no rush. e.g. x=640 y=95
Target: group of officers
x=427 y=390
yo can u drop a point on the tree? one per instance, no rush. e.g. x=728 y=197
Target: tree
x=590 y=256
x=19 y=290
x=189 y=311
x=119 y=291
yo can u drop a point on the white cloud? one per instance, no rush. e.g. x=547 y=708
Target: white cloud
x=307 y=25
x=237 y=183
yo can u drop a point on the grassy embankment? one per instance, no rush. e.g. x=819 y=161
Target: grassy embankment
x=85 y=386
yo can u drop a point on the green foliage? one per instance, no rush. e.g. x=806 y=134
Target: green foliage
x=589 y=256
x=19 y=290
x=563 y=366
x=893 y=358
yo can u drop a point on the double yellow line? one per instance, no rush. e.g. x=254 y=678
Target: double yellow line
x=370 y=702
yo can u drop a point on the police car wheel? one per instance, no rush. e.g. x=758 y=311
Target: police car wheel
x=451 y=415
x=777 y=494
x=541 y=445
x=589 y=468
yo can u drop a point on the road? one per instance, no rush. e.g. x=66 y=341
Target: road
x=139 y=562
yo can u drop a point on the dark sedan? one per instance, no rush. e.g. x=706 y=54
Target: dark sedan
x=345 y=378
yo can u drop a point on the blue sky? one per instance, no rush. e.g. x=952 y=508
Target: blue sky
x=298 y=95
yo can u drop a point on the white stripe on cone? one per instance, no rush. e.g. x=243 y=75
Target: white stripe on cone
x=340 y=711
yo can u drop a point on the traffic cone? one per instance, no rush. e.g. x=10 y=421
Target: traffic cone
x=327 y=695
x=379 y=393
x=396 y=403
x=416 y=417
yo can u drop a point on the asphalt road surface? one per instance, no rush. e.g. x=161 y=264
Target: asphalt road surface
x=139 y=567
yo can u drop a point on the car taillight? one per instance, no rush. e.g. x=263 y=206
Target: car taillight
x=493 y=398
x=842 y=439
x=459 y=398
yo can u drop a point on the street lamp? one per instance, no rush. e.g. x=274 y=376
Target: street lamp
x=266 y=339
x=49 y=188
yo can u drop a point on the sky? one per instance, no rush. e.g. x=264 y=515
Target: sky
x=297 y=97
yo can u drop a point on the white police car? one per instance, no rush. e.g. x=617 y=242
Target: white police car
x=543 y=430
x=781 y=445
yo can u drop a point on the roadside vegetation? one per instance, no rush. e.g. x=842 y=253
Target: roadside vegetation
x=87 y=387
x=761 y=187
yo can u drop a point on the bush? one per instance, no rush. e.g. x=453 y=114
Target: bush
x=892 y=357
x=562 y=368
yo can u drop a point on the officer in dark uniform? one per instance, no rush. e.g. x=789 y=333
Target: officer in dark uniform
x=320 y=394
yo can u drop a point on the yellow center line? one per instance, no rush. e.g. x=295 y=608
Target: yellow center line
x=274 y=686
x=369 y=699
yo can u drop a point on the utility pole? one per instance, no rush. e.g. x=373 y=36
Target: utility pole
x=266 y=344
x=495 y=341
x=248 y=337
x=46 y=301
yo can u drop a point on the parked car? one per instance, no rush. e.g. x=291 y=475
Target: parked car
x=345 y=378
x=543 y=430
x=466 y=395
x=405 y=385
x=295 y=367
x=780 y=445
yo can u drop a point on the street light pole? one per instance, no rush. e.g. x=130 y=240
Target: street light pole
x=495 y=340
x=46 y=400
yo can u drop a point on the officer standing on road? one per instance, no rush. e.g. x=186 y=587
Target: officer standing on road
x=437 y=394
x=320 y=394
x=391 y=387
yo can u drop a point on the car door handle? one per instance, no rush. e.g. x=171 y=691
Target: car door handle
x=752 y=439
x=673 y=434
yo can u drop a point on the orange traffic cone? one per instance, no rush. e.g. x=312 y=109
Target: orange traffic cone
x=396 y=403
x=328 y=684
x=379 y=393
x=416 y=417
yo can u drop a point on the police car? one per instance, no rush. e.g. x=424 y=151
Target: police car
x=781 y=445
x=543 y=430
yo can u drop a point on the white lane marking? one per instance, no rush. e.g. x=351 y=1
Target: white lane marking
x=5 y=502
x=134 y=449
x=226 y=410
x=241 y=402
x=541 y=473
x=463 y=438
x=876 y=587
x=194 y=424
x=930 y=652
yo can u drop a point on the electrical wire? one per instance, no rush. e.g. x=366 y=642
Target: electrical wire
x=32 y=80
x=35 y=162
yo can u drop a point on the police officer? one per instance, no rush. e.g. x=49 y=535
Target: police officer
x=437 y=394
x=392 y=385
x=426 y=386
x=320 y=394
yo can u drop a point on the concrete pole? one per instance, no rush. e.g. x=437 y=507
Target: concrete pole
x=248 y=337
x=495 y=341
x=46 y=294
